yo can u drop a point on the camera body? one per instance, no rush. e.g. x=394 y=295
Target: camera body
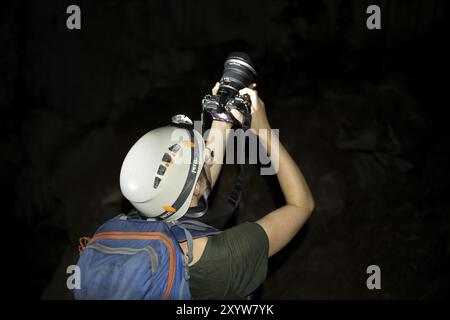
x=222 y=112
x=239 y=73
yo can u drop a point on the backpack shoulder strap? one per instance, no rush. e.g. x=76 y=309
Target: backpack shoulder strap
x=188 y=230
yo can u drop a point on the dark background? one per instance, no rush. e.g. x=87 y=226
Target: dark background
x=362 y=112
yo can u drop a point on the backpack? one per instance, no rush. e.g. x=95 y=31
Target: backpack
x=131 y=257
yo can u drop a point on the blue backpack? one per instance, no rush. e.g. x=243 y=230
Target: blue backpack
x=130 y=257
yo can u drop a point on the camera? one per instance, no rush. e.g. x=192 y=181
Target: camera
x=239 y=72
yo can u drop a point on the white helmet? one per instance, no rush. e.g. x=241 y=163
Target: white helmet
x=159 y=173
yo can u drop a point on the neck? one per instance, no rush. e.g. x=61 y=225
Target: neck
x=194 y=201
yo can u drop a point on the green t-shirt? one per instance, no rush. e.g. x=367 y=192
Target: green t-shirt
x=233 y=264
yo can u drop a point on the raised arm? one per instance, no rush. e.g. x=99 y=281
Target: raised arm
x=216 y=142
x=282 y=224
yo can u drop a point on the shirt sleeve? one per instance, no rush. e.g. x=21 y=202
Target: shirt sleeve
x=233 y=264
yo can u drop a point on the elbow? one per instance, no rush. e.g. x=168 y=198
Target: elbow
x=307 y=205
x=312 y=205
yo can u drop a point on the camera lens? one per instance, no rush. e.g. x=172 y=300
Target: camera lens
x=238 y=73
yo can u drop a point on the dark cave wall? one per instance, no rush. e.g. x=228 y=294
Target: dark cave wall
x=358 y=109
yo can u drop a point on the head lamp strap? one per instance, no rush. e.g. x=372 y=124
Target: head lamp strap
x=190 y=180
x=200 y=211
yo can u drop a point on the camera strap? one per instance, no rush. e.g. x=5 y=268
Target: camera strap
x=246 y=123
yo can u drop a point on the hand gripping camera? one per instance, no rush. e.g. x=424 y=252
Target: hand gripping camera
x=238 y=73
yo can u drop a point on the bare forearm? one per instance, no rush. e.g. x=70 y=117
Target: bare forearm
x=282 y=224
x=216 y=142
x=292 y=182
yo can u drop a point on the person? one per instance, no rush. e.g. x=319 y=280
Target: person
x=233 y=263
